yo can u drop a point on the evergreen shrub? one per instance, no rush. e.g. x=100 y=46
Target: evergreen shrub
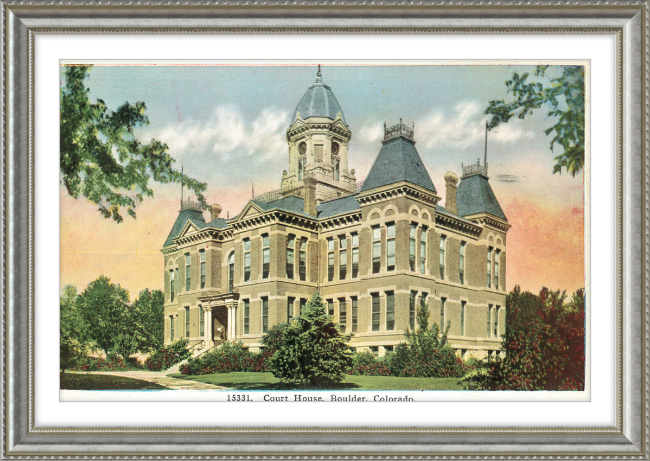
x=168 y=356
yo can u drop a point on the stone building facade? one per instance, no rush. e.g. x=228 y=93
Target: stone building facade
x=375 y=251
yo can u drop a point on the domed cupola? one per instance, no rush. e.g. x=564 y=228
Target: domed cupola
x=318 y=145
x=318 y=101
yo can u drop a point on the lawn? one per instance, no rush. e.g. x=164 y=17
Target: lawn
x=82 y=381
x=266 y=381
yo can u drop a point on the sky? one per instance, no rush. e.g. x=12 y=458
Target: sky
x=226 y=124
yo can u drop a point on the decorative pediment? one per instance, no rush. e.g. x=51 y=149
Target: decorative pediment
x=188 y=229
x=249 y=211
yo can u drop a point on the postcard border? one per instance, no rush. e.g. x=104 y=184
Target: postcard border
x=21 y=21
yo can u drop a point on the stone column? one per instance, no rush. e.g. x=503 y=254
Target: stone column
x=206 y=329
x=209 y=326
x=231 y=321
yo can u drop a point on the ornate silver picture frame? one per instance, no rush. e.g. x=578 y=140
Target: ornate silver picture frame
x=627 y=21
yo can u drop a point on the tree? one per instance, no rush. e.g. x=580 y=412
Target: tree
x=312 y=349
x=101 y=159
x=565 y=96
x=148 y=320
x=103 y=307
x=544 y=344
x=73 y=340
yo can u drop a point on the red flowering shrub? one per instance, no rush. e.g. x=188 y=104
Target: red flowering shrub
x=226 y=358
x=168 y=356
x=110 y=363
x=544 y=345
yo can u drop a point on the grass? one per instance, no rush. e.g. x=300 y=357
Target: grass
x=266 y=381
x=82 y=381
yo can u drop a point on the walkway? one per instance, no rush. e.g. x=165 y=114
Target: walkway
x=161 y=378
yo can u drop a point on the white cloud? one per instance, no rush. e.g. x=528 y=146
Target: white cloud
x=228 y=136
x=463 y=127
x=371 y=132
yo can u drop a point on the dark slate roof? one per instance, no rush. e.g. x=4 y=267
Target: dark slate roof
x=196 y=217
x=475 y=195
x=219 y=223
x=338 y=206
x=398 y=160
x=318 y=101
x=292 y=204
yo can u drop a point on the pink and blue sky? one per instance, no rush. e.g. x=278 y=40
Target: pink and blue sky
x=226 y=125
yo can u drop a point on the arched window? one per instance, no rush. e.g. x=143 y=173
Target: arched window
x=231 y=272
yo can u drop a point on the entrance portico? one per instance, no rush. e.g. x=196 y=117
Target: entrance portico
x=220 y=314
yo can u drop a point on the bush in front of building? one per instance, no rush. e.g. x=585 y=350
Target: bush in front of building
x=112 y=362
x=229 y=357
x=371 y=369
x=312 y=349
x=168 y=356
x=544 y=345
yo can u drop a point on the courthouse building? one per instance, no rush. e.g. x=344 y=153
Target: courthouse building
x=375 y=251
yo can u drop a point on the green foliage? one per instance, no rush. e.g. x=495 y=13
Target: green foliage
x=544 y=344
x=104 y=310
x=168 y=356
x=363 y=359
x=229 y=357
x=74 y=342
x=312 y=349
x=565 y=96
x=102 y=160
x=272 y=340
x=148 y=321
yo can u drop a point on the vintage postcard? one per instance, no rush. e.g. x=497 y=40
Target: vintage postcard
x=333 y=231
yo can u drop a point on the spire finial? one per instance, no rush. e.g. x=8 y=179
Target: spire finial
x=319 y=76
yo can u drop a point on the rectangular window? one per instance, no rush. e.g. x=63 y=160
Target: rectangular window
x=412 y=235
x=265 y=314
x=390 y=310
x=376 y=313
x=496 y=322
x=177 y=278
x=423 y=302
x=302 y=261
x=443 y=242
x=330 y=259
x=247 y=316
x=247 y=260
x=188 y=272
x=489 y=267
x=462 y=317
x=172 y=286
x=390 y=246
x=461 y=263
x=343 y=314
x=355 y=313
x=412 y=310
x=489 y=320
x=201 y=322
x=337 y=168
x=290 y=302
x=231 y=272
x=171 y=328
x=423 y=250
x=303 y=303
x=330 y=308
x=187 y=322
x=497 y=257
x=301 y=167
x=355 y=255
x=202 y=255
x=442 y=314
x=376 y=249
x=343 y=258
x=291 y=242
x=266 y=256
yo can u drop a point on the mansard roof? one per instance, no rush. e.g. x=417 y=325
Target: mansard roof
x=338 y=206
x=398 y=160
x=475 y=195
x=291 y=203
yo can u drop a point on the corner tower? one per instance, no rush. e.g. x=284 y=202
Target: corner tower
x=318 y=145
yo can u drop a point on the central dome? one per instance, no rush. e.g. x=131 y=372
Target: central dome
x=318 y=101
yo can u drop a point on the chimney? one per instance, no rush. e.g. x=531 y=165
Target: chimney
x=215 y=211
x=310 y=195
x=451 y=181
